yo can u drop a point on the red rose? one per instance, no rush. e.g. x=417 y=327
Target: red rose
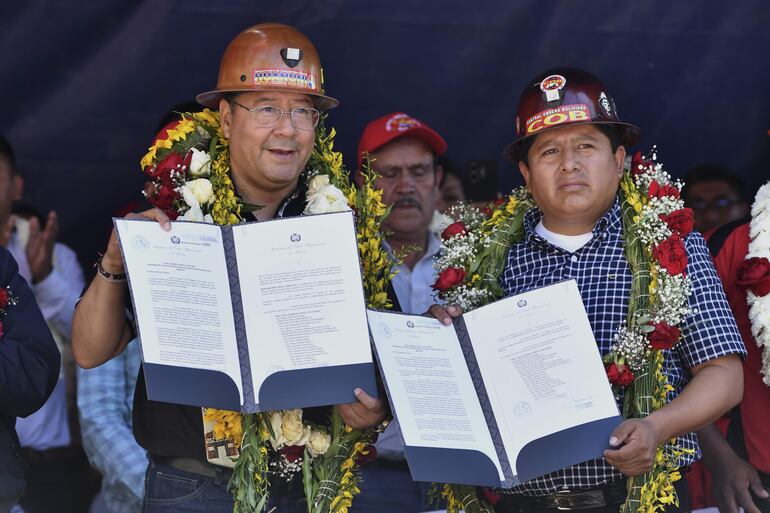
x=660 y=191
x=293 y=452
x=639 y=164
x=619 y=374
x=487 y=211
x=679 y=221
x=173 y=162
x=664 y=336
x=448 y=278
x=754 y=274
x=453 y=229
x=3 y=298
x=164 y=197
x=671 y=255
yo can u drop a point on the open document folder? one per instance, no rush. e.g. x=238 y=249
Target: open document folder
x=514 y=390
x=250 y=317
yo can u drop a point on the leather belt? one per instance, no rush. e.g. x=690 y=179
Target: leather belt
x=193 y=466
x=611 y=494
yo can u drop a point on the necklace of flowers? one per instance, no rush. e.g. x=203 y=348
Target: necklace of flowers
x=754 y=275
x=188 y=168
x=655 y=224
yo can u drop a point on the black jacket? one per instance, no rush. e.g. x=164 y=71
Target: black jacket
x=29 y=369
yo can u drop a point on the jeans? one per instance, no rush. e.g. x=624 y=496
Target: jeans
x=170 y=490
x=389 y=489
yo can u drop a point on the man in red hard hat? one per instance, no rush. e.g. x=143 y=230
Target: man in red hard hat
x=570 y=145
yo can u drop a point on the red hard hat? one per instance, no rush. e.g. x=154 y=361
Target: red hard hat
x=564 y=96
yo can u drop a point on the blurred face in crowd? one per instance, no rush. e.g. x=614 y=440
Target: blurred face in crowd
x=573 y=175
x=266 y=158
x=451 y=192
x=409 y=180
x=714 y=203
x=10 y=189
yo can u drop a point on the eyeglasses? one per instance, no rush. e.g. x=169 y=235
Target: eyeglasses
x=268 y=116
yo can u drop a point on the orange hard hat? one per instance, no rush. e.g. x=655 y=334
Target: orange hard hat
x=270 y=57
x=564 y=96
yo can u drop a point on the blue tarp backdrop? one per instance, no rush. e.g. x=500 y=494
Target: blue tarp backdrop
x=84 y=83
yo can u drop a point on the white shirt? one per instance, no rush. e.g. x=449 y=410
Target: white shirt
x=569 y=243
x=56 y=296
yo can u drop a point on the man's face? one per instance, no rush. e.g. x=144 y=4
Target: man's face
x=714 y=203
x=409 y=182
x=451 y=193
x=573 y=175
x=10 y=190
x=270 y=159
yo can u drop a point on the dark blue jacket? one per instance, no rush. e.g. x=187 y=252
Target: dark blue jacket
x=29 y=368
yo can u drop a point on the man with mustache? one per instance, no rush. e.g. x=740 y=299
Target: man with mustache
x=402 y=150
x=570 y=148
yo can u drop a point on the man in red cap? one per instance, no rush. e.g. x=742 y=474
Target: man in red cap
x=402 y=150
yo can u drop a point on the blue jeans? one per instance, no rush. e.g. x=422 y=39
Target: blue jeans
x=170 y=490
x=387 y=489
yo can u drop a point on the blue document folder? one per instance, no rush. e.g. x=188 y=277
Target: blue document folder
x=545 y=453
x=282 y=388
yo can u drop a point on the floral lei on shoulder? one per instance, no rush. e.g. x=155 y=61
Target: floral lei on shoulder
x=754 y=275
x=188 y=169
x=655 y=224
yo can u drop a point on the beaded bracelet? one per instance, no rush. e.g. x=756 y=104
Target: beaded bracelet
x=113 y=277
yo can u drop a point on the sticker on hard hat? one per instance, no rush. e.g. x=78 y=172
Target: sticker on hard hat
x=281 y=77
x=557 y=116
x=551 y=86
x=401 y=123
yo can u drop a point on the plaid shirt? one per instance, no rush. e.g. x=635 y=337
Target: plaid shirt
x=105 y=397
x=604 y=281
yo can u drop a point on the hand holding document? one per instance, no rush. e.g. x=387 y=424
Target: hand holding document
x=252 y=317
x=513 y=390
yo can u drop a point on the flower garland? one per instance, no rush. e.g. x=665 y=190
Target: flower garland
x=188 y=168
x=754 y=274
x=655 y=224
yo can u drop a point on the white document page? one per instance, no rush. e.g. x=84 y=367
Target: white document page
x=303 y=299
x=430 y=385
x=540 y=364
x=181 y=295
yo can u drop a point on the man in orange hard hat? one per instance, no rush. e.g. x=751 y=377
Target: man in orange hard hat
x=270 y=98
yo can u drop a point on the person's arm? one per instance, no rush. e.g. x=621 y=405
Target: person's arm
x=711 y=348
x=734 y=479
x=58 y=293
x=105 y=422
x=29 y=359
x=716 y=386
x=100 y=330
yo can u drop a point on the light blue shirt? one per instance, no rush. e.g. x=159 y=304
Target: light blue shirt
x=414 y=290
x=56 y=295
x=105 y=401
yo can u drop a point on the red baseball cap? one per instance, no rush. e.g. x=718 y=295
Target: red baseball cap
x=397 y=124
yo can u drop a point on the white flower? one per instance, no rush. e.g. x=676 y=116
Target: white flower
x=292 y=428
x=275 y=424
x=318 y=443
x=439 y=222
x=197 y=192
x=323 y=197
x=200 y=163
